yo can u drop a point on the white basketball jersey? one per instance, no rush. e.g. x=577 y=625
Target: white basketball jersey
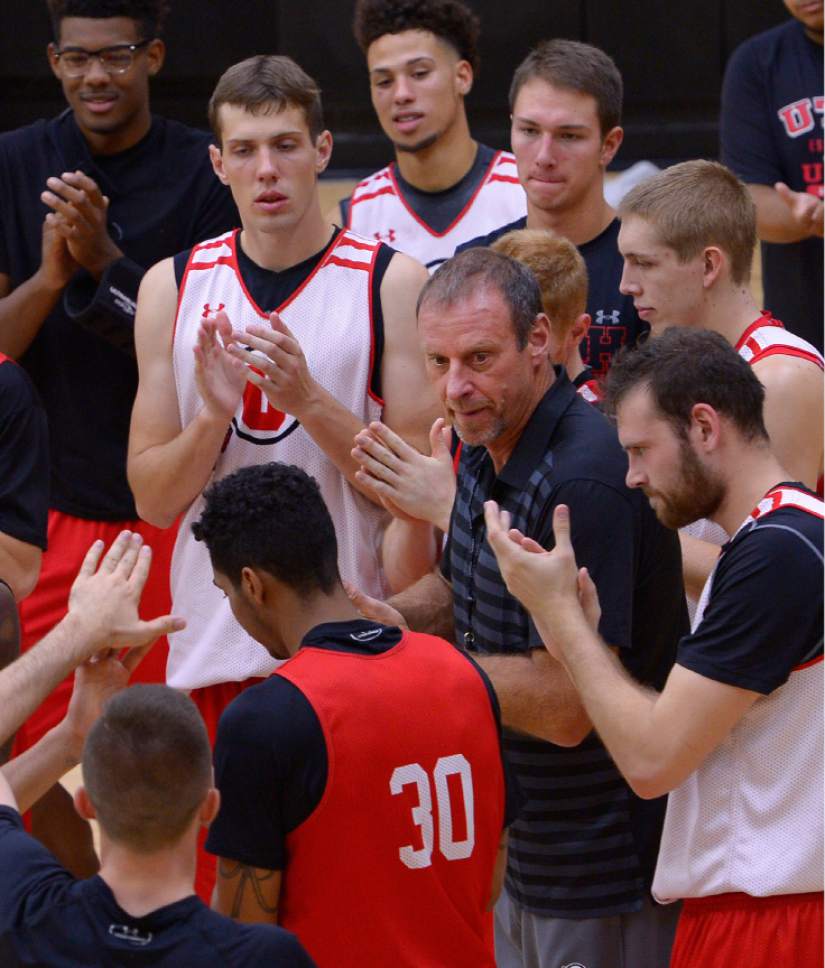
x=764 y=338
x=331 y=317
x=750 y=818
x=379 y=210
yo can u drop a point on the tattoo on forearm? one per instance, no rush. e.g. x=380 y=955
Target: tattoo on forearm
x=247 y=877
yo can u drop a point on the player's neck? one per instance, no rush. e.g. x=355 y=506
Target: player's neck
x=574 y=365
x=730 y=310
x=444 y=163
x=753 y=472
x=279 y=250
x=579 y=224
x=298 y=615
x=142 y=883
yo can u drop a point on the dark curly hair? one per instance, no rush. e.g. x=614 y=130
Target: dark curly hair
x=450 y=20
x=150 y=14
x=271 y=517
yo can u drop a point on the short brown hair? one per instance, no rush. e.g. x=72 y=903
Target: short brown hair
x=264 y=83
x=697 y=204
x=147 y=766
x=559 y=268
x=450 y=20
x=574 y=66
x=477 y=268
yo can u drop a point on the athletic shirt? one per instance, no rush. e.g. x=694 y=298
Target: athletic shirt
x=331 y=315
x=381 y=208
x=395 y=865
x=771 y=130
x=749 y=819
x=765 y=337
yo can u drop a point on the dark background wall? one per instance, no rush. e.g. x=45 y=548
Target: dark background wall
x=672 y=57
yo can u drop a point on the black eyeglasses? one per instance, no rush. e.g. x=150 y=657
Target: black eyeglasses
x=114 y=60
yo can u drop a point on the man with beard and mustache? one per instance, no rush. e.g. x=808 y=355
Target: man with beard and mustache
x=687 y=238
x=531 y=442
x=736 y=734
x=443 y=187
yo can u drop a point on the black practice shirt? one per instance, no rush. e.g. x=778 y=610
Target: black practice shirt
x=615 y=321
x=271 y=755
x=770 y=131
x=24 y=458
x=164 y=197
x=584 y=845
x=48 y=918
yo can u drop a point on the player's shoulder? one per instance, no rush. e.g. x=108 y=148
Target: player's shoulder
x=21 y=145
x=274 y=708
x=763 y=49
x=787 y=540
x=182 y=137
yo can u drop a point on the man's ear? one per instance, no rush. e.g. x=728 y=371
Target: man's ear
x=713 y=261
x=705 y=427
x=54 y=63
x=580 y=328
x=323 y=151
x=252 y=585
x=210 y=806
x=155 y=55
x=539 y=338
x=610 y=145
x=463 y=77
x=83 y=805
x=216 y=157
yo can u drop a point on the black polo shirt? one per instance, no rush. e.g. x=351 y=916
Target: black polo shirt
x=584 y=846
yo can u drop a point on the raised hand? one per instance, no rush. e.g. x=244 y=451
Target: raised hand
x=219 y=376
x=56 y=263
x=104 y=599
x=408 y=483
x=276 y=363
x=374 y=608
x=83 y=223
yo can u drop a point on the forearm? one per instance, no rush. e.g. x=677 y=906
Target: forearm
x=774 y=218
x=23 y=311
x=36 y=771
x=698 y=559
x=19 y=565
x=166 y=478
x=537 y=697
x=621 y=710
x=427 y=606
x=409 y=552
x=27 y=681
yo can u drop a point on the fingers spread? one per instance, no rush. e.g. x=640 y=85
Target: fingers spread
x=90 y=561
x=116 y=551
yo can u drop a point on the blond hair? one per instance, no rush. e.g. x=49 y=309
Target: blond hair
x=697 y=204
x=559 y=268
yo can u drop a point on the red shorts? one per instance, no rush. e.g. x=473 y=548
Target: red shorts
x=757 y=932
x=211 y=701
x=69 y=540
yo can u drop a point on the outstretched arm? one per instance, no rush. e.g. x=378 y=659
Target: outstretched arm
x=656 y=740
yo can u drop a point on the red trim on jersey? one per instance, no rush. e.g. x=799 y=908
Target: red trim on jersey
x=766 y=319
x=3 y=358
x=386 y=190
x=347 y=263
x=504 y=178
x=760 y=354
x=457 y=458
x=216 y=243
x=779 y=499
x=440 y=235
x=808 y=664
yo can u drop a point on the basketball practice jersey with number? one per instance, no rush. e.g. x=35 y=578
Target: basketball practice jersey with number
x=331 y=317
x=395 y=864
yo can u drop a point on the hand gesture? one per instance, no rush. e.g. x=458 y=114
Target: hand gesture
x=373 y=608
x=547 y=583
x=83 y=210
x=219 y=377
x=410 y=485
x=805 y=208
x=276 y=363
x=56 y=263
x=104 y=599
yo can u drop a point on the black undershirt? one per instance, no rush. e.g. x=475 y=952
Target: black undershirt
x=270 y=289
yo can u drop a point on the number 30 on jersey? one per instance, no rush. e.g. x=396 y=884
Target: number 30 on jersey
x=422 y=814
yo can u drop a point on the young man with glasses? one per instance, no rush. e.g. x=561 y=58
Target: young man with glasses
x=89 y=200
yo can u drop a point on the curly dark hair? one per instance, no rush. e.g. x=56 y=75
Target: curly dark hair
x=271 y=517
x=450 y=20
x=150 y=14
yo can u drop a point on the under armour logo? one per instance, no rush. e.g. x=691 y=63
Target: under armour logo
x=133 y=935
x=209 y=311
x=388 y=236
x=602 y=318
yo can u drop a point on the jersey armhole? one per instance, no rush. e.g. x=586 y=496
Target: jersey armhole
x=382 y=260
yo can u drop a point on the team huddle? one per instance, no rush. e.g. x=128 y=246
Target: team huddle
x=435 y=581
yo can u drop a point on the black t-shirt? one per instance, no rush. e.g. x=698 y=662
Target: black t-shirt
x=24 y=458
x=48 y=918
x=164 y=197
x=615 y=321
x=771 y=130
x=271 y=755
x=269 y=289
x=764 y=615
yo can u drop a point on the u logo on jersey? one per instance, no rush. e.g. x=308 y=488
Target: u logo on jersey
x=259 y=422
